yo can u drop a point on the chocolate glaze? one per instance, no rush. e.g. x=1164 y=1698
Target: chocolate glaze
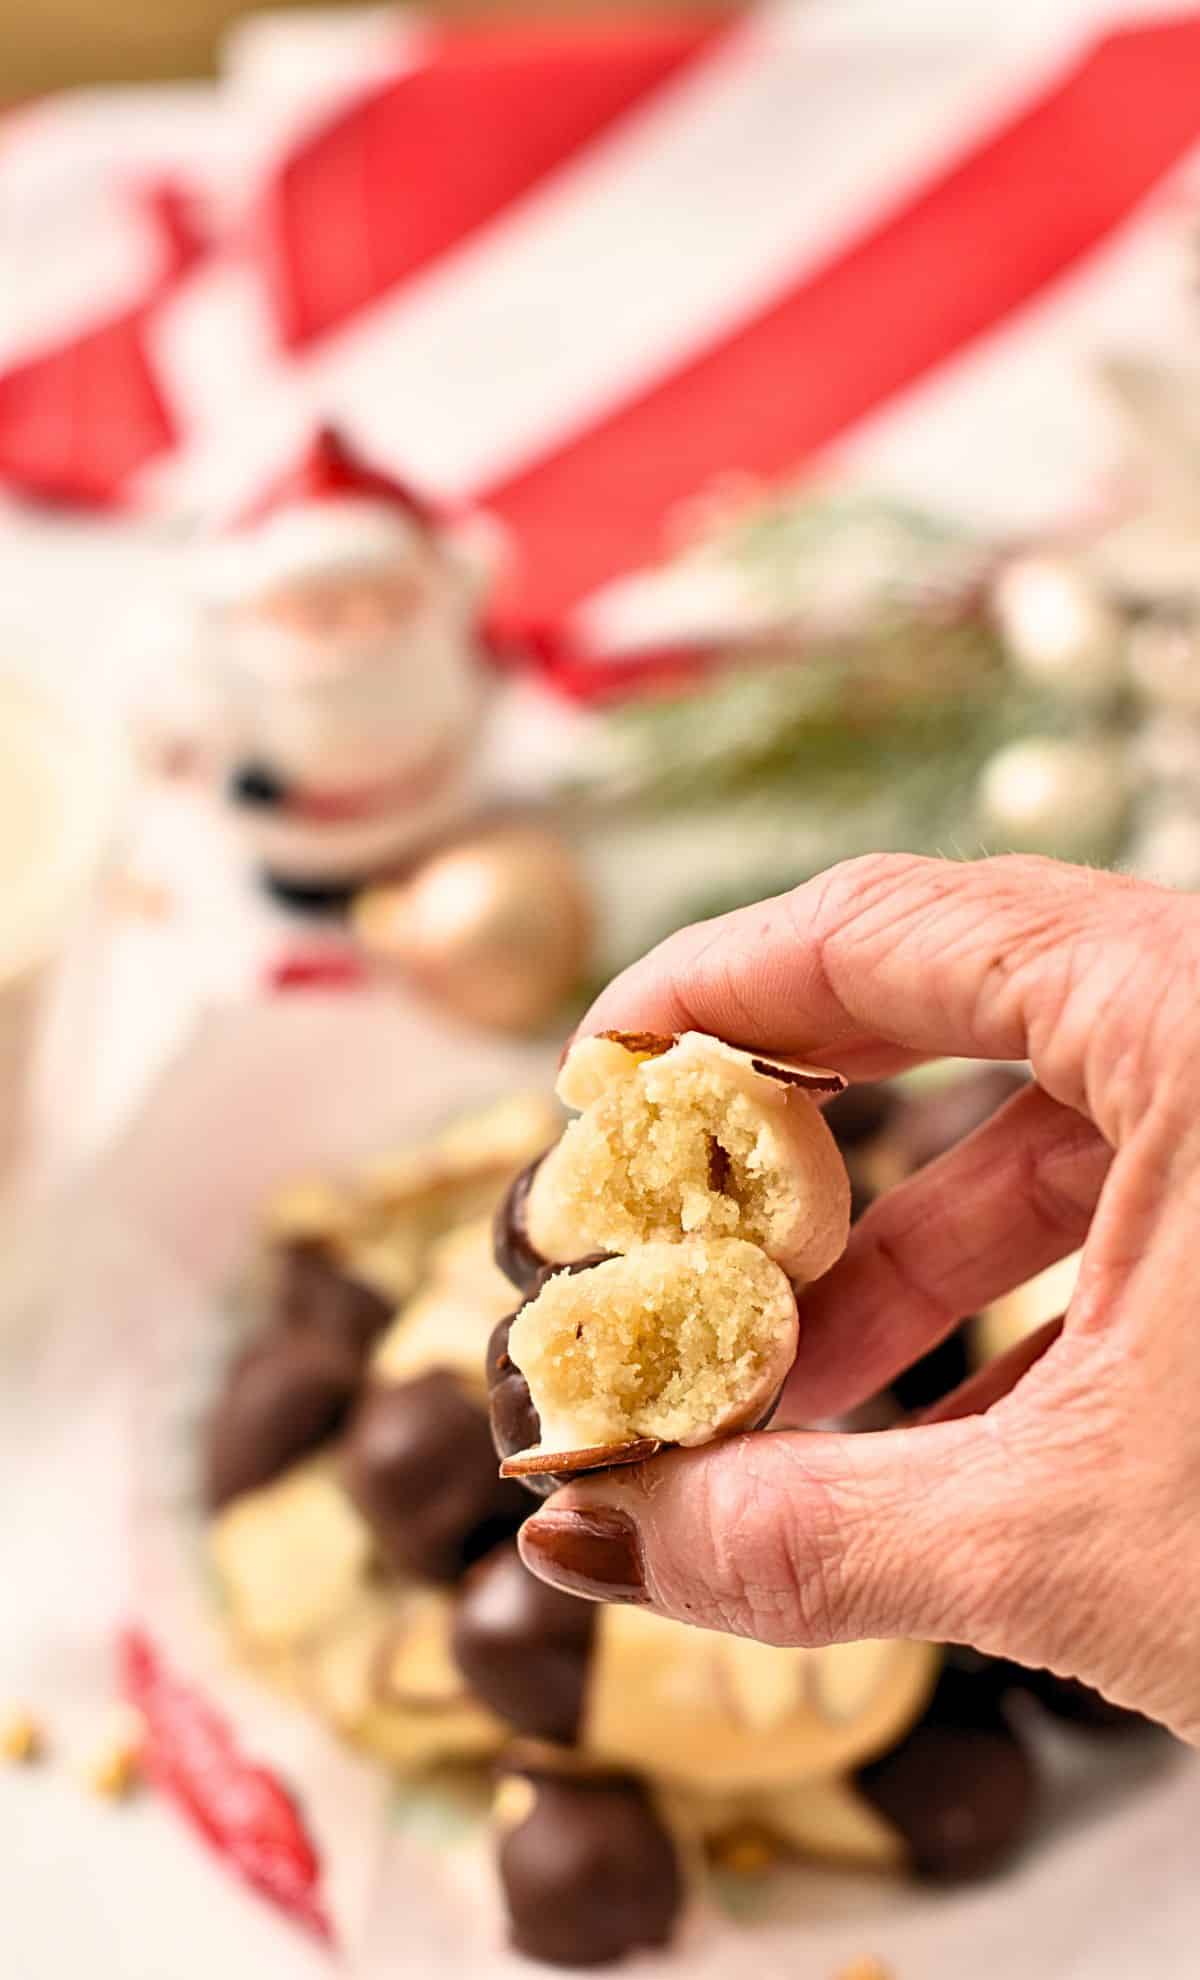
x=418 y=1463
x=516 y=1257
x=962 y=1787
x=523 y=1647
x=314 y=1291
x=287 y=1394
x=590 y=1874
x=515 y=1423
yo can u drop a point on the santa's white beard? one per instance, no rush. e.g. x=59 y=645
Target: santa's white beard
x=275 y=655
x=277 y=659
x=351 y=712
x=387 y=710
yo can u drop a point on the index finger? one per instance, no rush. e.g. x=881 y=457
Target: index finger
x=884 y=960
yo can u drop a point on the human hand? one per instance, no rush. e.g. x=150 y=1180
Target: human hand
x=1058 y=1522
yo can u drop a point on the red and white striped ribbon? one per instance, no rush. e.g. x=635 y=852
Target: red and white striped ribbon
x=578 y=274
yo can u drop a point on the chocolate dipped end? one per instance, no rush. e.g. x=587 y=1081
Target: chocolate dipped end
x=419 y=1464
x=588 y=1871
x=622 y=1357
x=514 y=1420
x=545 y=1471
x=285 y=1396
x=516 y=1429
x=524 y=1647
x=315 y=1293
x=515 y=1425
x=962 y=1788
x=522 y=1265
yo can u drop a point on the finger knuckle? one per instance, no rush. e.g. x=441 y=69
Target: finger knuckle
x=776 y=1552
x=912 y=1275
x=831 y=1559
x=699 y=967
x=851 y=893
x=1087 y=963
x=1059 y=1183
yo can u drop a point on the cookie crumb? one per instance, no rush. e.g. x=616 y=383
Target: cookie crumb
x=866 y=1968
x=114 y=1769
x=22 y=1738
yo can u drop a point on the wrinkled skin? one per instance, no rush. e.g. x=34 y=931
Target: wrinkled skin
x=1048 y=1511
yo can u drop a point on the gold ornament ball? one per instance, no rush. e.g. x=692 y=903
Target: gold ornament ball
x=497 y=928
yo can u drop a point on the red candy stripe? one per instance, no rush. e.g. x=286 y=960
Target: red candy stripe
x=942 y=268
x=241 y=1810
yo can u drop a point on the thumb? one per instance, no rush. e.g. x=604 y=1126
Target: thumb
x=940 y=1531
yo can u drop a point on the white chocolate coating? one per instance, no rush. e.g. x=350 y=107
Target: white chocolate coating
x=665 y=1698
x=637 y=1165
x=675 y=1343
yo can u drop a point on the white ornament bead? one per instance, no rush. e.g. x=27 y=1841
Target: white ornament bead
x=1059 y=631
x=1051 y=793
x=1166 y=752
x=1164 y=662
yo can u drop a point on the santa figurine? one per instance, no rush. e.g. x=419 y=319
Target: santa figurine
x=344 y=632
x=346 y=664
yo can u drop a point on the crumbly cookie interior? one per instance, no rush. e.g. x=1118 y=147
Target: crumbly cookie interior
x=696 y=1162
x=662 y=1343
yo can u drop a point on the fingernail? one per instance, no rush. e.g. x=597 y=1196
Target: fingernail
x=594 y=1554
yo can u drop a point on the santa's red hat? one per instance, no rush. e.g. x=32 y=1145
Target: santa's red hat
x=331 y=511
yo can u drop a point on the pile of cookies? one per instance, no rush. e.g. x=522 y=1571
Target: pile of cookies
x=364 y=1539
